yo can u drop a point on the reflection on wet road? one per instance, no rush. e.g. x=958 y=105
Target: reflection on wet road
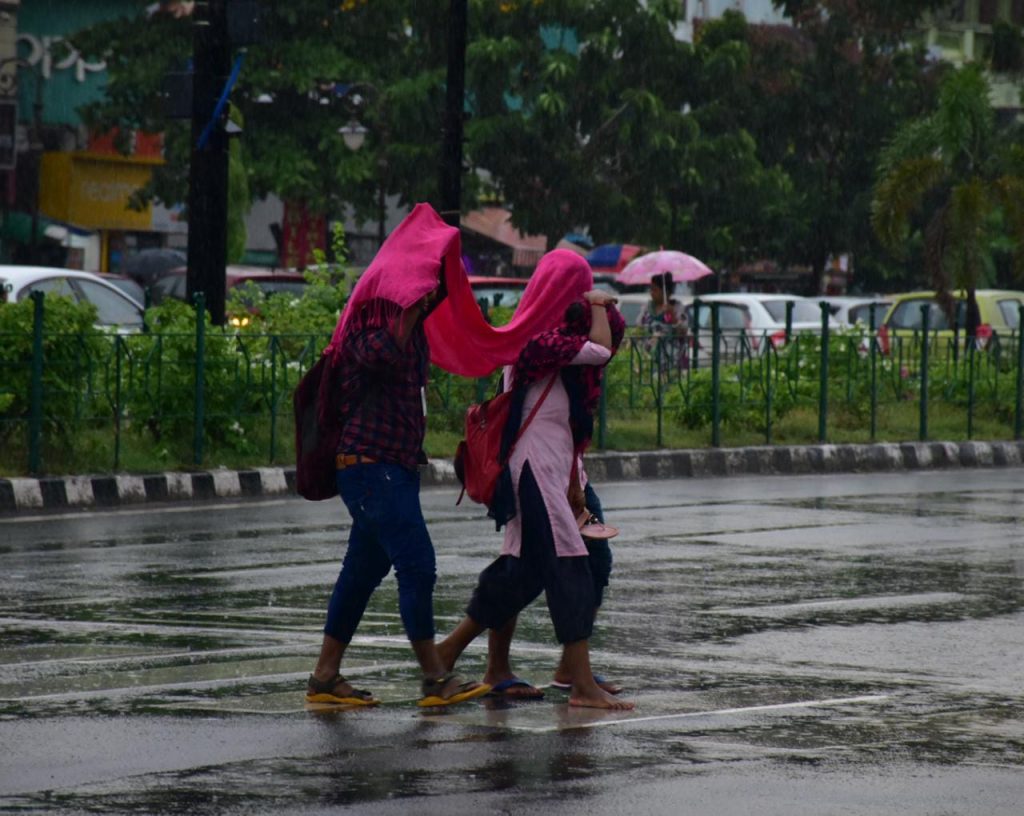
x=846 y=644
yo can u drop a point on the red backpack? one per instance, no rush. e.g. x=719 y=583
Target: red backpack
x=317 y=431
x=478 y=461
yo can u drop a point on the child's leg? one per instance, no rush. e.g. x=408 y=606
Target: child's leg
x=593 y=502
x=452 y=647
x=503 y=589
x=499 y=646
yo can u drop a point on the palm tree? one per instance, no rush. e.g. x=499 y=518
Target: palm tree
x=949 y=176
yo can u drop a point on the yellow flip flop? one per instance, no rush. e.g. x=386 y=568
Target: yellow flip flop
x=319 y=691
x=464 y=690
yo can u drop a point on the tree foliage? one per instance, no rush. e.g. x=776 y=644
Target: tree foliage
x=321 y=65
x=611 y=123
x=575 y=111
x=950 y=178
x=753 y=142
x=825 y=95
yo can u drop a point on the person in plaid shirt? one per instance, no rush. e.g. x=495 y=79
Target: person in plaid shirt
x=380 y=361
x=385 y=418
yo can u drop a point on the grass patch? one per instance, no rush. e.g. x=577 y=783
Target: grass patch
x=94 y=448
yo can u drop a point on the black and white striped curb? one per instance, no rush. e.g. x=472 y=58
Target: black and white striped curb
x=802 y=459
x=64 y=492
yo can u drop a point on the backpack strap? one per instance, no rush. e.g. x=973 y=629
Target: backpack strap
x=533 y=413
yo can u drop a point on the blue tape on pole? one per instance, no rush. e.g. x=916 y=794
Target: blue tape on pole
x=219 y=109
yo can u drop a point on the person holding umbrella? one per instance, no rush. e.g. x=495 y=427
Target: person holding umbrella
x=664 y=319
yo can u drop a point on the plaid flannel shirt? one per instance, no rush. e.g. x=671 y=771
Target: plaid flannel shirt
x=384 y=419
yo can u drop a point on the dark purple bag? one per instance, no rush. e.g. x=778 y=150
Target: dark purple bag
x=317 y=431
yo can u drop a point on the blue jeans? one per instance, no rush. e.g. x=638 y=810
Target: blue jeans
x=387 y=529
x=599 y=549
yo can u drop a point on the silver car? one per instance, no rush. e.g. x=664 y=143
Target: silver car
x=114 y=308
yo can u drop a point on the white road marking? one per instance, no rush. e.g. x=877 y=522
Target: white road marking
x=720 y=712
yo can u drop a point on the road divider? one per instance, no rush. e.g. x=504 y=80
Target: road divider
x=60 y=493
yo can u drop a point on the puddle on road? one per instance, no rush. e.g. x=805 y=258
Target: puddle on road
x=995 y=507
x=728 y=625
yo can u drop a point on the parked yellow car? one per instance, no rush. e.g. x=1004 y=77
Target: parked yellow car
x=999 y=308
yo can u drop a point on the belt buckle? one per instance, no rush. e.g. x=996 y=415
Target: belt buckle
x=347 y=460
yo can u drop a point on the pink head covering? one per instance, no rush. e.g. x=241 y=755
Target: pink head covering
x=463 y=346
x=560 y=279
x=407 y=267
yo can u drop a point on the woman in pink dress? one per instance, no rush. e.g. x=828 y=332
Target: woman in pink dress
x=543 y=550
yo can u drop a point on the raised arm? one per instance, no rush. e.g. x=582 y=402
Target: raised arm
x=600 y=329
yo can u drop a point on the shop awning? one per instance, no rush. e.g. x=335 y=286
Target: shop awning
x=17 y=227
x=496 y=223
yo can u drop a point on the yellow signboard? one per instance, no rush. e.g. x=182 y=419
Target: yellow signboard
x=92 y=191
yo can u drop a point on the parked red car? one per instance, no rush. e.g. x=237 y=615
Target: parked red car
x=497 y=291
x=171 y=284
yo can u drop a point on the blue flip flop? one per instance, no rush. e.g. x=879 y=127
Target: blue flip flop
x=501 y=690
x=600 y=679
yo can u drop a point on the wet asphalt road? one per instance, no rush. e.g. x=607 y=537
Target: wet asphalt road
x=795 y=645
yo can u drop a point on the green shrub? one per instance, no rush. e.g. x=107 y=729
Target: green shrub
x=73 y=355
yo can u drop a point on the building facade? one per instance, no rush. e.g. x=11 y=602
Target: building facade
x=969 y=30
x=73 y=186
x=758 y=12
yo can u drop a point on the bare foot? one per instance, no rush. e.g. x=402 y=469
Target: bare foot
x=597 y=697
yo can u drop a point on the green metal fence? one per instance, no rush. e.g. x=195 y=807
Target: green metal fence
x=853 y=384
x=93 y=401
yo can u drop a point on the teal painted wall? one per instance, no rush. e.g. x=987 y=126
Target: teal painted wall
x=70 y=83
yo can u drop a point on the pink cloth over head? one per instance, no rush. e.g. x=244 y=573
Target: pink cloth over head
x=407 y=267
x=463 y=346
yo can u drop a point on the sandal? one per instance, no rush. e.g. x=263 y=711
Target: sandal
x=602 y=681
x=591 y=527
x=515 y=688
x=322 y=691
x=433 y=690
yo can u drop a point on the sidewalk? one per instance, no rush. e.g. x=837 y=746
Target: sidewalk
x=64 y=492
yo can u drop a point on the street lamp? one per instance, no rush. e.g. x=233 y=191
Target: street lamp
x=35 y=144
x=353 y=134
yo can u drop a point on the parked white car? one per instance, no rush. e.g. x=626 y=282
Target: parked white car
x=758 y=319
x=631 y=305
x=849 y=310
x=114 y=308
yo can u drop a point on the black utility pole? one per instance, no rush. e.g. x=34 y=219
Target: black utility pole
x=208 y=173
x=451 y=153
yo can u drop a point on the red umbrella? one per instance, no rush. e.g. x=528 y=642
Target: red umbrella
x=682 y=266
